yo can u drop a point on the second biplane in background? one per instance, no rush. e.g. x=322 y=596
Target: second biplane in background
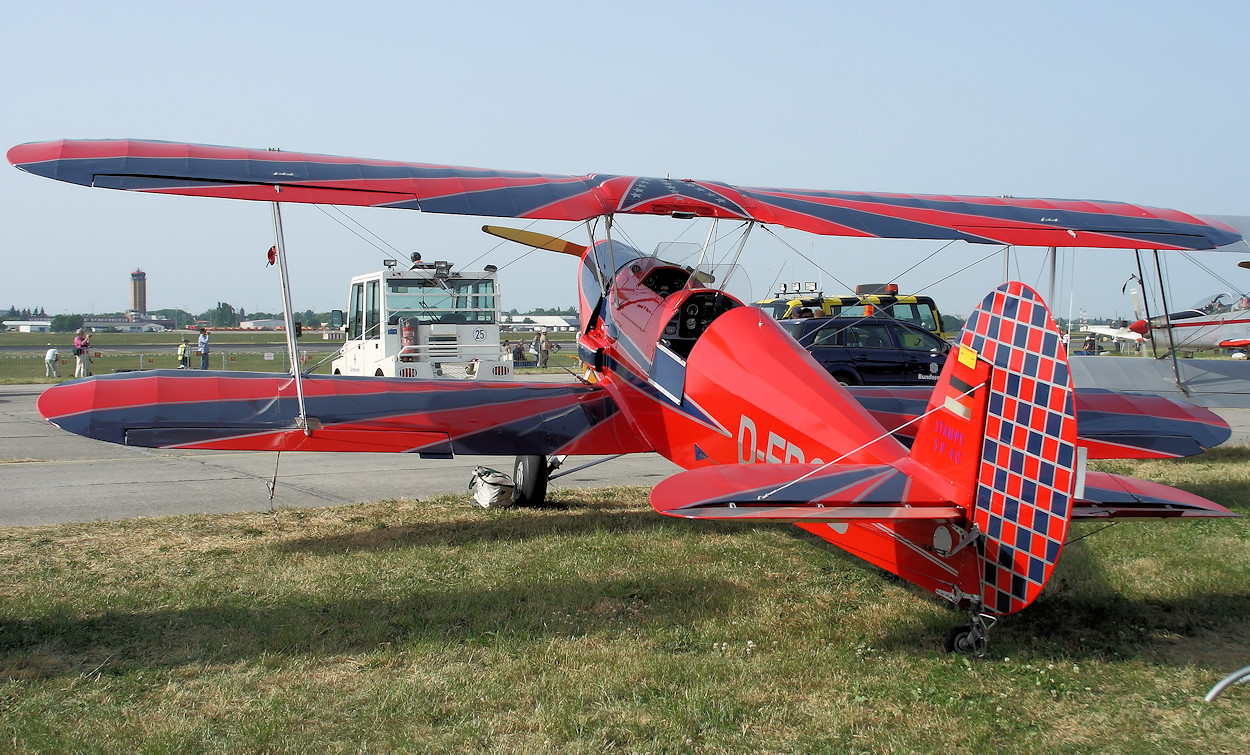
x=1218 y=321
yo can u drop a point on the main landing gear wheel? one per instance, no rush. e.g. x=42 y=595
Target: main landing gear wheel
x=530 y=473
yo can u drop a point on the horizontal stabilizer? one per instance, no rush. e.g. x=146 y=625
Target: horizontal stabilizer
x=800 y=493
x=1110 y=496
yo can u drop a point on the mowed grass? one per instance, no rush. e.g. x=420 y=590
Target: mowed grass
x=30 y=369
x=595 y=625
x=19 y=370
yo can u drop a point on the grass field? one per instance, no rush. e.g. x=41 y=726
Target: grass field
x=167 y=342
x=149 y=351
x=30 y=369
x=597 y=626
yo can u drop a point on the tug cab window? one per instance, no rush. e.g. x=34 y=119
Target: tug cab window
x=372 y=309
x=356 y=311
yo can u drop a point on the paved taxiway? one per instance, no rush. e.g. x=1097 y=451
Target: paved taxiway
x=47 y=475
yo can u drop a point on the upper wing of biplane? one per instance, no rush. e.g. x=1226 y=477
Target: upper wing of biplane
x=270 y=175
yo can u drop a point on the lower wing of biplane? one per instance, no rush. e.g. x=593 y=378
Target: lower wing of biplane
x=1110 y=424
x=260 y=412
x=434 y=418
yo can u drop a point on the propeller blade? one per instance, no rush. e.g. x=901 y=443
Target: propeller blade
x=536 y=240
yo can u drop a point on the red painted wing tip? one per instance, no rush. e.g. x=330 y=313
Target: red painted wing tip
x=32 y=152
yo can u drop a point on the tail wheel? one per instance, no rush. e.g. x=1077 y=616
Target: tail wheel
x=964 y=640
x=971 y=638
x=530 y=474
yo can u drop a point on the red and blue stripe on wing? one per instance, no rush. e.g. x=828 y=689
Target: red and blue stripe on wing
x=257 y=411
x=204 y=170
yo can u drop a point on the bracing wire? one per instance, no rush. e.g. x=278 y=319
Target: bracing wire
x=960 y=270
x=813 y=262
x=394 y=252
x=389 y=252
x=926 y=259
x=1087 y=534
x=527 y=253
x=1213 y=274
x=877 y=439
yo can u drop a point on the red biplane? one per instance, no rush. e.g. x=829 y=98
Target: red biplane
x=976 y=511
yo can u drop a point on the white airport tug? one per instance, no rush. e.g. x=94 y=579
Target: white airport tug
x=424 y=322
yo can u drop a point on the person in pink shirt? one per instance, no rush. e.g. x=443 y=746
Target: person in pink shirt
x=82 y=355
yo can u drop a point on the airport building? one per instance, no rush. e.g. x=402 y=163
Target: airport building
x=137 y=319
x=27 y=326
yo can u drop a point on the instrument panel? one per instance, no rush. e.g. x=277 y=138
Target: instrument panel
x=693 y=317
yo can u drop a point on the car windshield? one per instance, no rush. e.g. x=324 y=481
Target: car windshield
x=446 y=300
x=777 y=308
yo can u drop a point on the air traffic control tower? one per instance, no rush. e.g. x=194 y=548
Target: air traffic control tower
x=139 y=292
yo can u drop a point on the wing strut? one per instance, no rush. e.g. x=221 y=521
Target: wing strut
x=289 y=318
x=607 y=234
x=1163 y=293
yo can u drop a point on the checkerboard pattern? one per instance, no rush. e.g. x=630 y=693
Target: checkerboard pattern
x=1027 y=474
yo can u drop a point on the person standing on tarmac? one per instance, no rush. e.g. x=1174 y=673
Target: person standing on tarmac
x=82 y=355
x=202 y=345
x=50 y=358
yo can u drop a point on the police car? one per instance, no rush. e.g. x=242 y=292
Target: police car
x=871 y=350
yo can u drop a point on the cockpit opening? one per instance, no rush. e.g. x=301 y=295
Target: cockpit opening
x=692 y=318
x=1221 y=303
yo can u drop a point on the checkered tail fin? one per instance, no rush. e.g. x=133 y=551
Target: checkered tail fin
x=1001 y=430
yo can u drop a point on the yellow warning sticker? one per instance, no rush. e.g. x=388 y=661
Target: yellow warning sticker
x=967 y=357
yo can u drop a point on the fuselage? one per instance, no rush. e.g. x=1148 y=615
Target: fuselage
x=1218 y=322
x=707 y=380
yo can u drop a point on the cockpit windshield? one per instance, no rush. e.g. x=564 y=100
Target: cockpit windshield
x=1219 y=303
x=728 y=278
x=441 y=300
x=605 y=258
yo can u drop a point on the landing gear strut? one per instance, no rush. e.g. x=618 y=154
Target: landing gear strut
x=530 y=473
x=972 y=638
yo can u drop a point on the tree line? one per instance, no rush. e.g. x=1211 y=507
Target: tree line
x=224 y=315
x=25 y=314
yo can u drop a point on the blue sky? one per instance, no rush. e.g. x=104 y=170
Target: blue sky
x=1143 y=103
